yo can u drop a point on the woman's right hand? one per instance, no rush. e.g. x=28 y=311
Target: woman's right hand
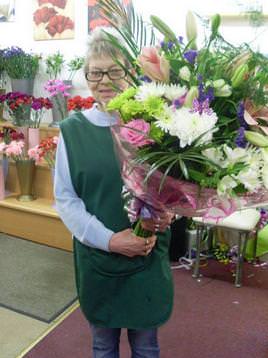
x=128 y=244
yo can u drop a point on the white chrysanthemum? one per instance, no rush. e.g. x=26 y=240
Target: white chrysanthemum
x=167 y=117
x=150 y=89
x=250 y=178
x=174 y=91
x=188 y=126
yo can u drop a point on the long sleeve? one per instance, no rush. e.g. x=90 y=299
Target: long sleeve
x=71 y=209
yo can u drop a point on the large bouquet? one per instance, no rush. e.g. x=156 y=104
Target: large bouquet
x=194 y=124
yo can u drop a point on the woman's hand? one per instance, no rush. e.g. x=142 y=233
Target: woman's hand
x=128 y=244
x=162 y=222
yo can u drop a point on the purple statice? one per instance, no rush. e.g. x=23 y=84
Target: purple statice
x=190 y=56
x=240 y=115
x=201 y=107
x=240 y=139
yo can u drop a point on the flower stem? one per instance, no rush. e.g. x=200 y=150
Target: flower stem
x=138 y=230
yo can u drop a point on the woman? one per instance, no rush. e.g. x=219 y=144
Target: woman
x=123 y=281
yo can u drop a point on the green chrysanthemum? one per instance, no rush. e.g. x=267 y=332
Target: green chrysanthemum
x=153 y=106
x=117 y=102
x=156 y=133
x=130 y=109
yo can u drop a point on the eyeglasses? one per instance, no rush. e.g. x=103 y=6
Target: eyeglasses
x=113 y=74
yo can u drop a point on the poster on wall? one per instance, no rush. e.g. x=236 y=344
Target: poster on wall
x=95 y=18
x=53 y=19
x=7 y=10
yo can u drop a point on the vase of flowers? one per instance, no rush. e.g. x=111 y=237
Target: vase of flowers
x=2 y=80
x=25 y=167
x=7 y=135
x=58 y=92
x=54 y=65
x=19 y=107
x=38 y=107
x=21 y=67
x=78 y=103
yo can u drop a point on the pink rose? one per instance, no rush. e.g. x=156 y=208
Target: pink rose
x=136 y=132
x=154 y=65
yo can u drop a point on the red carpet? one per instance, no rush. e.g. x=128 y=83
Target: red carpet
x=211 y=319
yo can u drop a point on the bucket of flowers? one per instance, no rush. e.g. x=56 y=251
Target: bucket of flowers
x=25 y=167
x=58 y=93
x=193 y=138
x=22 y=68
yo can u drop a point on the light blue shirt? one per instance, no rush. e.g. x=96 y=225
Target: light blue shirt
x=71 y=209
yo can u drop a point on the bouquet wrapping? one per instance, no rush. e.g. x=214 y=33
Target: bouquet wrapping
x=161 y=194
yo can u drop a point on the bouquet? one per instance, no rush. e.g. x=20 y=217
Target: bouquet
x=46 y=150
x=193 y=137
x=58 y=92
x=20 y=64
x=79 y=103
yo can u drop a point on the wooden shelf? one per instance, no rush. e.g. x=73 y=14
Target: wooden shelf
x=36 y=220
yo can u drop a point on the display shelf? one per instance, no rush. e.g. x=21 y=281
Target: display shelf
x=36 y=220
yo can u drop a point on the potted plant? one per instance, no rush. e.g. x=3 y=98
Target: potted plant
x=21 y=67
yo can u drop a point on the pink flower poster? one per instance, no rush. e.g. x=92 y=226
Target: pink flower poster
x=53 y=19
x=95 y=18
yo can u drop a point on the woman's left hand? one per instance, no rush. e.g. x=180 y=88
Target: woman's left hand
x=161 y=223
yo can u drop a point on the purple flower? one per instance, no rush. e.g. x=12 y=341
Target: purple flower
x=201 y=107
x=240 y=139
x=190 y=56
x=240 y=115
x=180 y=38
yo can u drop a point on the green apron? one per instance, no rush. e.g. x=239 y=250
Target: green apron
x=114 y=290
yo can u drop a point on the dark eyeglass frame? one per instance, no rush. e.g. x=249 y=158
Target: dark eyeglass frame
x=108 y=74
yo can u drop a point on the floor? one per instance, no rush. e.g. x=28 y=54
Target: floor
x=19 y=333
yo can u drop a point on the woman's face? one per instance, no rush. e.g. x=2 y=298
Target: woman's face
x=105 y=86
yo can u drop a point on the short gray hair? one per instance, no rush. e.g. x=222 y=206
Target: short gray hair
x=99 y=44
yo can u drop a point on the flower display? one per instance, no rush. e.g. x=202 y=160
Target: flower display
x=16 y=150
x=78 y=103
x=198 y=147
x=20 y=64
x=24 y=109
x=58 y=92
x=45 y=150
x=8 y=134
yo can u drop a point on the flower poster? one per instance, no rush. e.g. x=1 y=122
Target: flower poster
x=94 y=16
x=53 y=19
x=7 y=10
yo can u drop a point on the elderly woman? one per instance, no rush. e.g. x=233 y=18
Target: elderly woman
x=123 y=281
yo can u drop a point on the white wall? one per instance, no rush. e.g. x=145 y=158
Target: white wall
x=173 y=12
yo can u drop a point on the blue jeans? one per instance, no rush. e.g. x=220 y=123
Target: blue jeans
x=143 y=343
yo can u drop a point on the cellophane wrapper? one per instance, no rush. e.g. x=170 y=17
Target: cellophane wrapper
x=178 y=196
